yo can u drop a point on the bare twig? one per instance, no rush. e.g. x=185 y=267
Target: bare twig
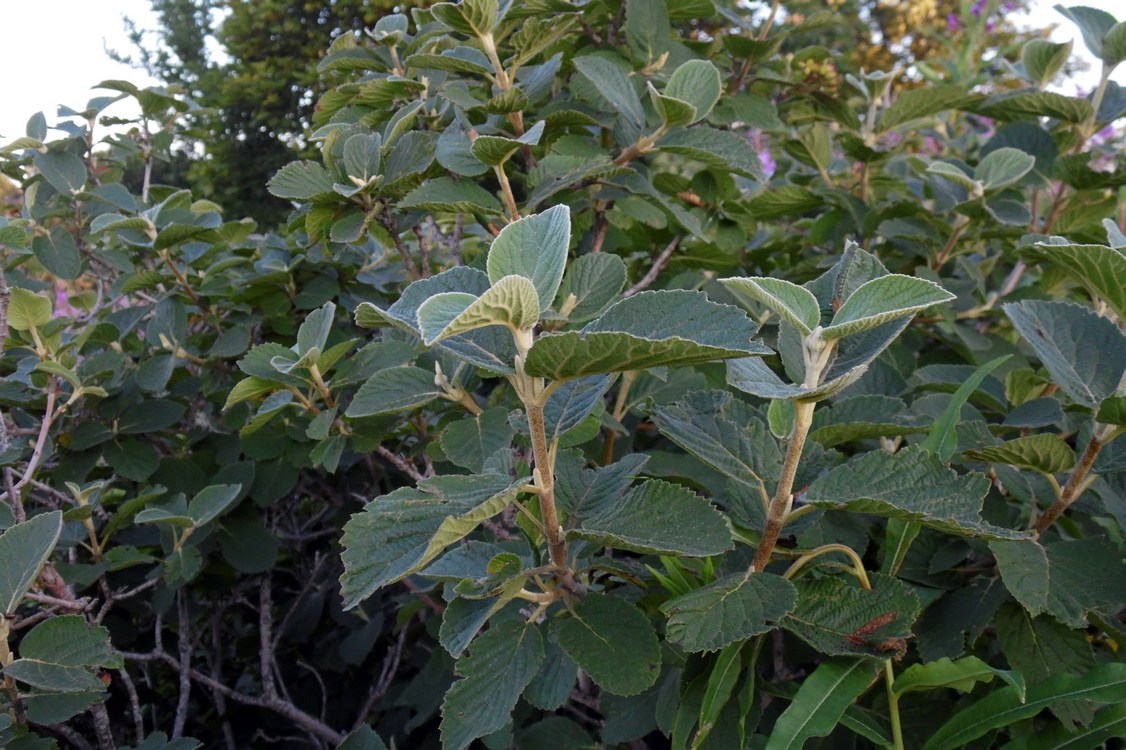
x=388 y=223
x=659 y=264
x=185 y=645
x=386 y=675
x=265 y=631
x=215 y=661
x=399 y=462
x=134 y=705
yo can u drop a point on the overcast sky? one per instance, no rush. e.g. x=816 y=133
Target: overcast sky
x=54 y=52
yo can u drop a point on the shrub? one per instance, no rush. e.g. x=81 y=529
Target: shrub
x=718 y=398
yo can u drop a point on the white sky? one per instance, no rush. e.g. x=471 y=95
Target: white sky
x=54 y=52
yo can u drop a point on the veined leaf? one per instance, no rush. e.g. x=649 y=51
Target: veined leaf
x=70 y=641
x=1101 y=269
x=27 y=309
x=914 y=104
x=534 y=247
x=961 y=675
x=794 y=304
x=912 y=485
x=696 y=82
x=659 y=518
x=716 y=148
x=649 y=329
x=821 y=701
x=595 y=279
x=731 y=609
x=1001 y=708
x=1109 y=723
x=498 y=667
x=1042 y=60
x=1045 y=453
x=301 y=180
x=884 y=299
x=673 y=112
x=613 y=642
x=1023 y=565
x=399 y=533
x=394 y=389
x=509 y=302
x=444 y=194
x=614 y=86
x=54 y=677
x=1078 y=582
x=1003 y=167
x=469 y=442
x=838 y=617
x=23 y=550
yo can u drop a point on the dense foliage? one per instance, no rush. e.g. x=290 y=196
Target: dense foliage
x=612 y=383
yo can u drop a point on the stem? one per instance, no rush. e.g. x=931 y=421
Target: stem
x=1076 y=483
x=544 y=478
x=893 y=706
x=6 y=658
x=506 y=189
x=783 y=496
x=857 y=564
x=628 y=379
x=948 y=248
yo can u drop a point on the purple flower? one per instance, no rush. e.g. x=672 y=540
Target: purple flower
x=953 y=23
x=978 y=7
x=762 y=147
x=62 y=303
x=990 y=25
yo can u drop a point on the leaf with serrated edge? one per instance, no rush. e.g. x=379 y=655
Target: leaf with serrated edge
x=1023 y=565
x=1101 y=269
x=23 y=550
x=1078 y=579
x=646 y=330
x=821 y=701
x=498 y=667
x=912 y=485
x=534 y=247
x=659 y=518
x=595 y=279
x=696 y=82
x=881 y=300
x=731 y=609
x=1045 y=453
x=794 y=304
x=54 y=677
x=613 y=642
x=400 y=533
x=394 y=389
x=837 y=617
x=70 y=641
x=510 y=302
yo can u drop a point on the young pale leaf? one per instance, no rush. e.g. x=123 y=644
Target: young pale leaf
x=821 y=701
x=882 y=300
x=1084 y=352
x=509 y=302
x=613 y=642
x=614 y=86
x=1045 y=453
x=500 y=664
x=27 y=309
x=659 y=518
x=1099 y=268
x=1003 y=167
x=673 y=112
x=595 y=279
x=394 y=389
x=1042 y=60
x=698 y=83
x=794 y=304
x=647 y=330
x=1001 y=708
x=23 y=550
x=534 y=247
x=400 y=533
x=961 y=675
x=838 y=617
x=729 y=610
x=912 y=485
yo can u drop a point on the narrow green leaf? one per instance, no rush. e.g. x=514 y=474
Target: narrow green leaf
x=23 y=550
x=884 y=299
x=942 y=439
x=1001 y=708
x=536 y=248
x=613 y=642
x=794 y=304
x=1109 y=724
x=721 y=685
x=729 y=610
x=961 y=675
x=821 y=701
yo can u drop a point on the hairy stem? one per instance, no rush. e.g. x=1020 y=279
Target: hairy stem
x=544 y=478
x=783 y=497
x=1076 y=483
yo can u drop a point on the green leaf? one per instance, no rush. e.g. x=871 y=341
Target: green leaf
x=498 y=667
x=1023 y=565
x=58 y=253
x=363 y=738
x=1003 y=167
x=23 y=550
x=300 y=180
x=785 y=200
x=595 y=279
x=915 y=104
x=613 y=642
x=458 y=59
x=392 y=390
x=1001 y=708
x=1041 y=647
x=54 y=677
x=647 y=29
x=672 y=111
x=1081 y=579
x=794 y=304
x=961 y=675
x=361 y=155
x=721 y=149
x=649 y=329
x=573 y=402
x=1114 y=45
x=469 y=442
x=70 y=641
x=696 y=82
x=884 y=299
x=445 y=194
x=1041 y=60
x=510 y=302
x=1101 y=269
x=1045 y=453
x=55 y=708
x=399 y=533
x=1093 y=23
x=659 y=518
x=942 y=439
x=614 y=86
x=64 y=171
x=722 y=679
x=911 y=485
x=28 y=309
x=315 y=329
x=1109 y=724
x=473 y=17
x=821 y=701
x=1084 y=352
x=731 y=609
x=1112 y=410
x=534 y=247
x=213 y=501
x=1024 y=103
x=839 y=618
x=495 y=150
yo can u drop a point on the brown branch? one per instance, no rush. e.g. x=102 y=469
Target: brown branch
x=1071 y=491
x=184 y=639
x=134 y=704
x=651 y=275
x=386 y=675
x=388 y=223
x=399 y=462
